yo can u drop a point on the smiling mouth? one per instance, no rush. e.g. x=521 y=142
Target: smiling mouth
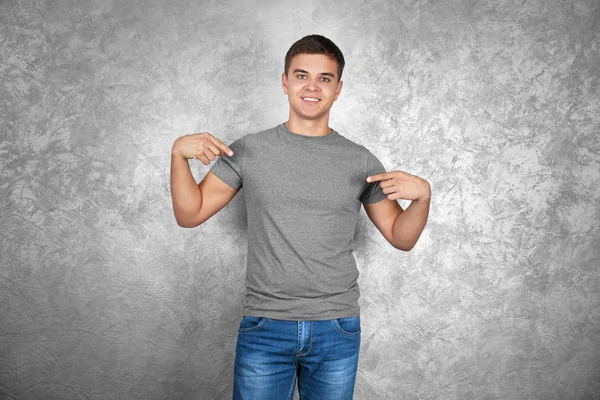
x=310 y=100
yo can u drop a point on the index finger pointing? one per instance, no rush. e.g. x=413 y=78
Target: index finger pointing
x=377 y=177
x=221 y=146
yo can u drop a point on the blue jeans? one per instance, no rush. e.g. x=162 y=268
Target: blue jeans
x=271 y=354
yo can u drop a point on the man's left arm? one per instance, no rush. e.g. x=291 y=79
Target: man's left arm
x=401 y=228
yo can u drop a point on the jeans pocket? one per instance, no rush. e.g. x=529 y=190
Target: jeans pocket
x=348 y=326
x=251 y=324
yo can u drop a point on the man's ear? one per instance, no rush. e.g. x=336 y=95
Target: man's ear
x=338 y=90
x=284 y=83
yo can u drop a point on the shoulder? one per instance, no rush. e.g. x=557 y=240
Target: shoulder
x=370 y=160
x=243 y=139
x=357 y=148
x=257 y=137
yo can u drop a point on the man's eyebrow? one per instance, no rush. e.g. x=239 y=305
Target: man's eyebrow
x=322 y=73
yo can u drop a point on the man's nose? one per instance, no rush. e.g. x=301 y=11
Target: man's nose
x=312 y=84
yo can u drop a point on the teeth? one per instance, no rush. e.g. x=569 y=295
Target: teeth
x=310 y=99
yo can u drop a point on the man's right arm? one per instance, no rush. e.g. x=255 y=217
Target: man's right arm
x=193 y=203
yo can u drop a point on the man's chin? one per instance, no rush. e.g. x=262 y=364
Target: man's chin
x=310 y=116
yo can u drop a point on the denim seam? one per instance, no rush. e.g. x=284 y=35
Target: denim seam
x=343 y=332
x=298 y=354
x=291 y=391
x=260 y=324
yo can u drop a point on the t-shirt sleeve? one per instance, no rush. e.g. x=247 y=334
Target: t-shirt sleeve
x=229 y=168
x=373 y=191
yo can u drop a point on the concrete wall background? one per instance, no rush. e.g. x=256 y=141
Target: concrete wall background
x=103 y=296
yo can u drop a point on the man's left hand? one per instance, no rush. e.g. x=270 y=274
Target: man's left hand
x=402 y=185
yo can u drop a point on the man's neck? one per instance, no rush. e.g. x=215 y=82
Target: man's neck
x=309 y=127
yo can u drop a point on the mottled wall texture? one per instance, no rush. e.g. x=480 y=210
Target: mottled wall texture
x=496 y=103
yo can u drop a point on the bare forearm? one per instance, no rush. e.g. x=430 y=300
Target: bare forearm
x=410 y=224
x=185 y=193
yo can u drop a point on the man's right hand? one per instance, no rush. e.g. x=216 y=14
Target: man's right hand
x=200 y=146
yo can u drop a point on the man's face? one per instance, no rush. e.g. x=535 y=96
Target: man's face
x=312 y=76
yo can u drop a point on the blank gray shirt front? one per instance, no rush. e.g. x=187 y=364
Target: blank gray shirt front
x=303 y=196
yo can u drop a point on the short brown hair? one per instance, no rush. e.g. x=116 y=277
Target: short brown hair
x=315 y=44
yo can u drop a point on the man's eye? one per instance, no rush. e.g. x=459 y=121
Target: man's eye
x=302 y=76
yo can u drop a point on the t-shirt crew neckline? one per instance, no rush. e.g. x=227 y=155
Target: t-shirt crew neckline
x=306 y=138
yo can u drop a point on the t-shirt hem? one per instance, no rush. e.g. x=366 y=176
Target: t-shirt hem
x=375 y=199
x=223 y=176
x=302 y=317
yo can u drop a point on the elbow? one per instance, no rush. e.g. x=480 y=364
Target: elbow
x=183 y=224
x=186 y=223
x=404 y=246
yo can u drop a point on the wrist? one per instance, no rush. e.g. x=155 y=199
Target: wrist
x=176 y=154
x=426 y=195
x=175 y=150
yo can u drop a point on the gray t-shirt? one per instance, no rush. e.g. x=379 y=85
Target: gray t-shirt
x=303 y=196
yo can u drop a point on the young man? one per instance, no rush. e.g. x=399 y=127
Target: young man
x=304 y=185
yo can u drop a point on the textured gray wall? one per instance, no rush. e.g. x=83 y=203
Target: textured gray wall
x=496 y=103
